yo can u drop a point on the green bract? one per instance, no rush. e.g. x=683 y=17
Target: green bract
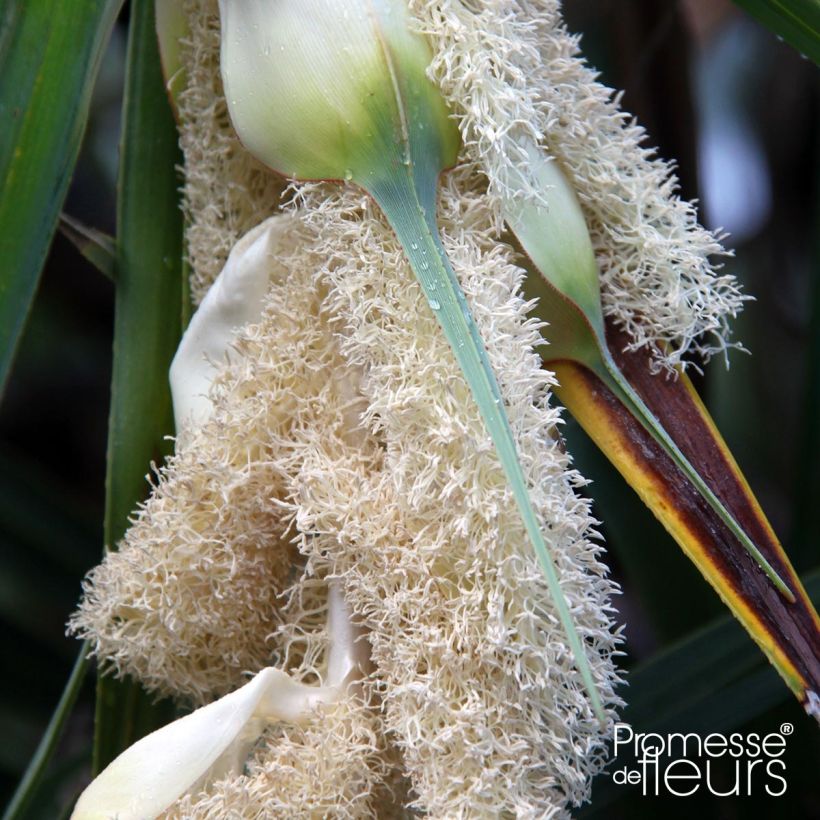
x=555 y=234
x=329 y=90
x=338 y=89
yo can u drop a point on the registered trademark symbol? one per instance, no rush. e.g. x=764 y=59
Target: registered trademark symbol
x=786 y=729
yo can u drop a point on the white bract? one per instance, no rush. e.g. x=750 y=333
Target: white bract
x=215 y=740
x=312 y=86
x=234 y=300
x=556 y=228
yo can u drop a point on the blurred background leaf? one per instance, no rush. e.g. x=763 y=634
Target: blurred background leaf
x=796 y=21
x=97 y=247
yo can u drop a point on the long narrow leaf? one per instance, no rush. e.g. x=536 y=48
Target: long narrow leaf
x=795 y=21
x=147 y=330
x=50 y=52
x=27 y=789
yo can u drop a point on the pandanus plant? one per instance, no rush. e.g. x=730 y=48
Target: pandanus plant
x=333 y=90
x=377 y=121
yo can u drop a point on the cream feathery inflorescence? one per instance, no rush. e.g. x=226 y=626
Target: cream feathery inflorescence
x=335 y=766
x=344 y=444
x=188 y=602
x=470 y=667
x=206 y=586
x=226 y=190
x=509 y=69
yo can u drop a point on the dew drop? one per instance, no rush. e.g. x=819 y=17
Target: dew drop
x=414 y=246
x=435 y=305
x=348 y=174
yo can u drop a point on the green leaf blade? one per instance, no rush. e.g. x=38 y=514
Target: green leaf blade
x=795 y=21
x=50 y=52
x=146 y=333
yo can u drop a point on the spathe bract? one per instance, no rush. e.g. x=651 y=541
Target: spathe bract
x=215 y=740
x=234 y=300
x=557 y=241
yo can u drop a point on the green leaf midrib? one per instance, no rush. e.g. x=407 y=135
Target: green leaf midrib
x=409 y=204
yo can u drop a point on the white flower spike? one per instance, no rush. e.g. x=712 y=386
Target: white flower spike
x=215 y=740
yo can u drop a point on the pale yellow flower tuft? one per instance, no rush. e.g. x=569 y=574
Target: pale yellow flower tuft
x=227 y=192
x=344 y=444
x=411 y=511
x=511 y=71
x=189 y=601
x=336 y=766
x=479 y=687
